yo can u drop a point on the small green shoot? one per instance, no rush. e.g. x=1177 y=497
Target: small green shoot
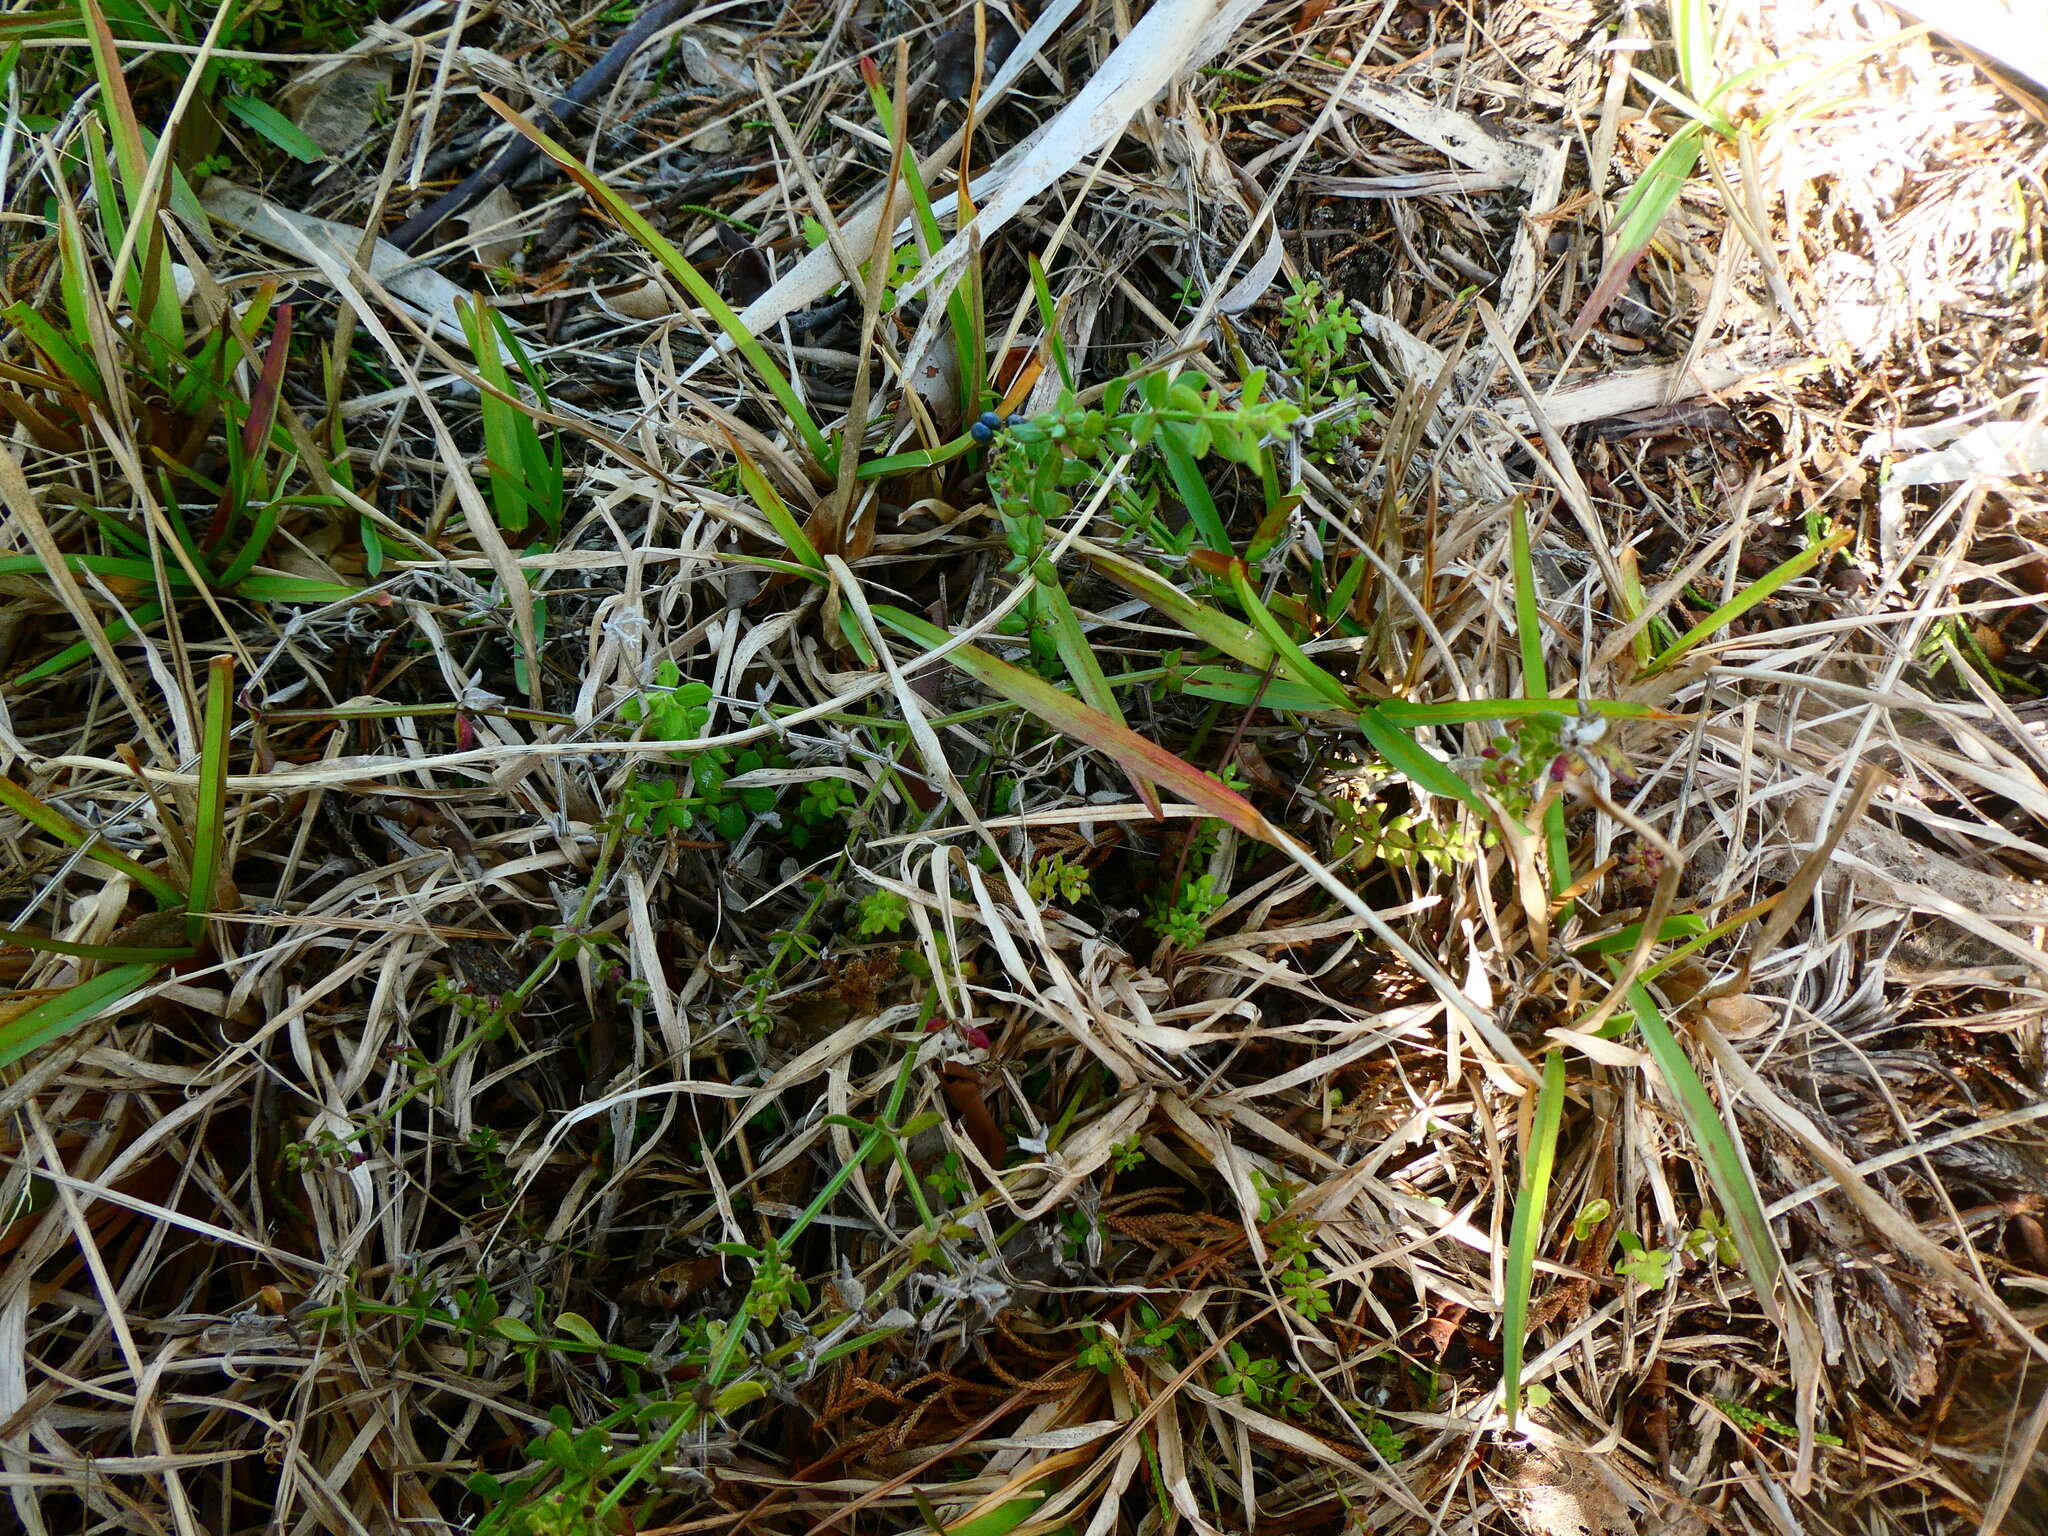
x=1592 y=1216
x=881 y=912
x=1647 y=1267
x=523 y=462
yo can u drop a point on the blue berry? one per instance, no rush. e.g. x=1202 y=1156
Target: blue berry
x=991 y=420
x=1017 y=419
x=982 y=432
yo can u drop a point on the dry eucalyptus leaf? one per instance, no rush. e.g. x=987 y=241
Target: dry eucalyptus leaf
x=339 y=110
x=433 y=297
x=1742 y=1016
x=647 y=301
x=495 y=228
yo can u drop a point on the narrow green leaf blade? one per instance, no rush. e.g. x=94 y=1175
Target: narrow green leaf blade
x=1086 y=671
x=1293 y=659
x=1637 y=218
x=1068 y=715
x=1232 y=637
x=145 y=616
x=72 y=835
x=502 y=450
x=276 y=587
x=1192 y=489
x=42 y=943
x=1049 y=317
x=1465 y=711
x=1756 y=592
x=57 y=1016
x=1725 y=1167
x=770 y=504
x=1526 y=1230
x=1407 y=758
x=276 y=127
x=1692 y=39
x=1528 y=616
x=694 y=283
x=1536 y=681
x=1228 y=686
x=1622 y=941
x=209 y=834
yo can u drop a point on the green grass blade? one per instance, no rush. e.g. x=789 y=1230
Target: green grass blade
x=58 y=1016
x=1234 y=638
x=502 y=453
x=1528 y=617
x=184 y=201
x=53 y=821
x=1465 y=711
x=23 y=938
x=1526 y=1231
x=1701 y=112
x=1636 y=220
x=76 y=369
x=1692 y=39
x=1633 y=601
x=1756 y=592
x=916 y=458
x=148 y=281
x=261 y=527
x=276 y=127
x=1407 y=758
x=1090 y=683
x=1068 y=715
x=960 y=302
x=1049 y=317
x=1000 y=1521
x=1536 y=680
x=81 y=301
x=693 y=282
x=769 y=502
x=1261 y=691
x=1622 y=941
x=274 y=587
x=99 y=565
x=108 y=204
x=129 y=153
x=209 y=834
x=540 y=446
x=1192 y=489
x=1293 y=659
x=144 y=617
x=1716 y=1144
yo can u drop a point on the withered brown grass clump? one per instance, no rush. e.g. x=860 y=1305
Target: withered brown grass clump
x=1308 y=836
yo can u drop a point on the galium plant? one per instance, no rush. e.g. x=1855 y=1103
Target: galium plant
x=1318 y=330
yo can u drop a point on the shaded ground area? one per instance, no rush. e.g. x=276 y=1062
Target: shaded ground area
x=1369 y=857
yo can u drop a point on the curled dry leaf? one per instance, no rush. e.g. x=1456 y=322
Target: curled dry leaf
x=1741 y=1016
